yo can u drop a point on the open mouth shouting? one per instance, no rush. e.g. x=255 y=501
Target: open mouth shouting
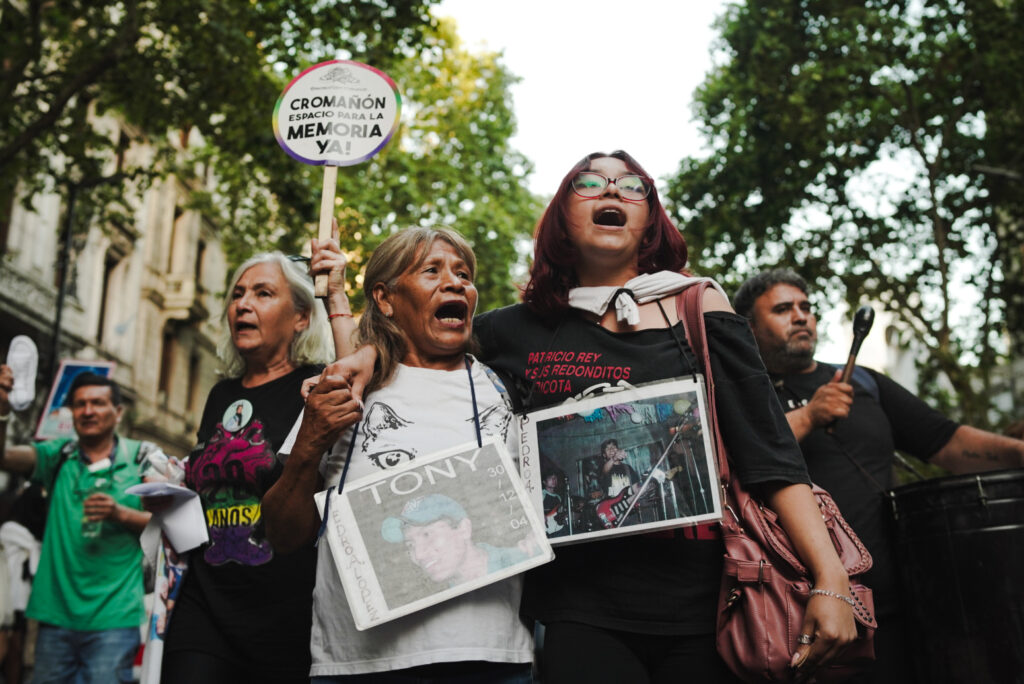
x=452 y=314
x=610 y=216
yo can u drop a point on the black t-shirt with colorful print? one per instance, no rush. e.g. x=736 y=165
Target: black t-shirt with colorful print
x=241 y=600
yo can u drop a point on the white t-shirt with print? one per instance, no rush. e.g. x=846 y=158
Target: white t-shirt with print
x=419 y=412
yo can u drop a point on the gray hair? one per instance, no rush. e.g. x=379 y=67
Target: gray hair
x=310 y=346
x=754 y=287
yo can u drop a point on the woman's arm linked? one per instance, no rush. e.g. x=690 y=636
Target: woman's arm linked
x=288 y=509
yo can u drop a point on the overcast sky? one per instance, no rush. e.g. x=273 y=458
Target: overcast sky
x=599 y=75
x=604 y=75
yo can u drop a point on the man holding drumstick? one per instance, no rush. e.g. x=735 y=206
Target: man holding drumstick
x=849 y=431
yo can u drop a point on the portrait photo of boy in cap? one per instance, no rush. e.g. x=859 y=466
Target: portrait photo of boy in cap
x=438 y=536
x=427 y=533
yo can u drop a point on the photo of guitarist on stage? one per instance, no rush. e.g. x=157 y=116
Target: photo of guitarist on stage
x=625 y=464
x=620 y=485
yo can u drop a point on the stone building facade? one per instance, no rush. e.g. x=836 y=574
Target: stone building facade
x=146 y=296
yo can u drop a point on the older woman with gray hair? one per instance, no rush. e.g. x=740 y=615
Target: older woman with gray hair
x=427 y=394
x=243 y=611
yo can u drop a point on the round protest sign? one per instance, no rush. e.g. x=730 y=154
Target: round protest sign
x=337 y=113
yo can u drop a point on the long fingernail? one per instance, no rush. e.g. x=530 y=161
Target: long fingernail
x=794 y=660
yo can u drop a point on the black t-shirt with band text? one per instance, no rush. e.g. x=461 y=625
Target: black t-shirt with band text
x=663 y=582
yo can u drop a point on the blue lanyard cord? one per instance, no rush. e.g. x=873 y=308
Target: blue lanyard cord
x=348 y=458
x=341 y=483
x=476 y=412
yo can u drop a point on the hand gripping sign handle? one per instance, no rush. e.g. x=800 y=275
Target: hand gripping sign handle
x=326 y=213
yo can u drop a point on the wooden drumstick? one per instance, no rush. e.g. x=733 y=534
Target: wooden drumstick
x=862 y=321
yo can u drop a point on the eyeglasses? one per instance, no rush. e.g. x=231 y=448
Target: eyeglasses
x=631 y=186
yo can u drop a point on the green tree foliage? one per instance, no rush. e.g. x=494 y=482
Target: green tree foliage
x=219 y=67
x=164 y=66
x=874 y=146
x=450 y=164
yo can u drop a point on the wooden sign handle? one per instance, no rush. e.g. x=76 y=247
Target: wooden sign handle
x=326 y=214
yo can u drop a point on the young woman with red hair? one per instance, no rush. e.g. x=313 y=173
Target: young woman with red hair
x=608 y=263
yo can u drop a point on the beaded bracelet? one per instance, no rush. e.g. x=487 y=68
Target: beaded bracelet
x=832 y=594
x=332 y=316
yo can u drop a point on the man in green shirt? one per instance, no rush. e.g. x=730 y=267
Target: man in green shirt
x=87 y=594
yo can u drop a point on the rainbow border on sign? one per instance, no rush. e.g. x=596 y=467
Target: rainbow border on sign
x=352 y=162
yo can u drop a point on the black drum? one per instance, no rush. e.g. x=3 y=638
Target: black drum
x=960 y=548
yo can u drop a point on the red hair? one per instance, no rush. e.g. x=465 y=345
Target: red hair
x=555 y=257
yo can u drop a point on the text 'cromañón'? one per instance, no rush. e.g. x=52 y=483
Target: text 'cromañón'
x=352 y=102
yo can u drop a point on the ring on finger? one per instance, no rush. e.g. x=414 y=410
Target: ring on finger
x=805 y=639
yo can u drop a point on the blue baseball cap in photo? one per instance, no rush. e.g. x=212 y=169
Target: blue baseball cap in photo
x=421 y=511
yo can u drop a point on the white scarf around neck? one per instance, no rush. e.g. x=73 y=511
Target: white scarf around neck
x=639 y=290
